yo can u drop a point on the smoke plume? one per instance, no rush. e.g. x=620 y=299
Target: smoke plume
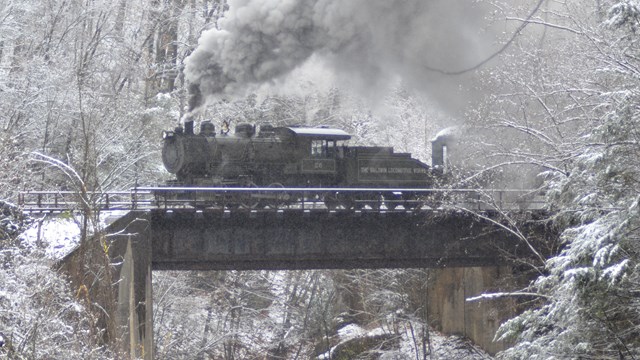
x=369 y=41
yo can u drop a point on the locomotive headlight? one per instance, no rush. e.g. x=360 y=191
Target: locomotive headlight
x=167 y=134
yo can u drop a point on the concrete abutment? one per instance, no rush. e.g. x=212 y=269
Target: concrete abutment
x=112 y=271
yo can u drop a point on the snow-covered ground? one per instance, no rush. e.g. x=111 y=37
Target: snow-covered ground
x=60 y=234
x=439 y=346
x=57 y=235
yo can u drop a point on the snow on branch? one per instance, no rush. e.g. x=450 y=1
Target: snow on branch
x=505 y=294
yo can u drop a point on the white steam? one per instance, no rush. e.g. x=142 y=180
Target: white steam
x=370 y=42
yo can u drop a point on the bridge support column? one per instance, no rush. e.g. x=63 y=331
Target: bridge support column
x=450 y=313
x=120 y=284
x=131 y=249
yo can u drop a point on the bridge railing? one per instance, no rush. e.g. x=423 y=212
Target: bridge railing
x=363 y=198
x=373 y=199
x=51 y=201
x=492 y=199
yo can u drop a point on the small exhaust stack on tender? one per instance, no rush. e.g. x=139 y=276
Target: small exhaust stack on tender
x=439 y=148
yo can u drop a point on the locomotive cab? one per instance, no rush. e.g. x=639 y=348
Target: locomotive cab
x=314 y=160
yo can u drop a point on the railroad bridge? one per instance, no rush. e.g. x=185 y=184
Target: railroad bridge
x=466 y=229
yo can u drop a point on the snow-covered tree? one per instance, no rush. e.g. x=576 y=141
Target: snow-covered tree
x=40 y=316
x=577 y=100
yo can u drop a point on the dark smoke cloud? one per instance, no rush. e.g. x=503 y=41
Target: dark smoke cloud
x=370 y=41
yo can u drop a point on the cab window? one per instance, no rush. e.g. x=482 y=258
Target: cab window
x=323 y=148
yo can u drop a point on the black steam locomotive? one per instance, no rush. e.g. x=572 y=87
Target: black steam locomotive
x=293 y=156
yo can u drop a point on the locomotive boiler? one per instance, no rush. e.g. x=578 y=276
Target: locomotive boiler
x=292 y=156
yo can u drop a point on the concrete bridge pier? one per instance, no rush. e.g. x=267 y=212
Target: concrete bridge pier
x=130 y=254
x=111 y=274
x=450 y=313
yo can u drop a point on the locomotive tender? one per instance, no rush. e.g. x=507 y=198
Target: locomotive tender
x=292 y=156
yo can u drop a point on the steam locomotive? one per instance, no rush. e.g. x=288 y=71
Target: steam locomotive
x=293 y=156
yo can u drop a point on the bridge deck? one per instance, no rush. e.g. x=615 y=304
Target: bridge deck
x=303 y=233
x=325 y=239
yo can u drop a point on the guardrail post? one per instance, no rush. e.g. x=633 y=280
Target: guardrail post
x=165 y=196
x=132 y=195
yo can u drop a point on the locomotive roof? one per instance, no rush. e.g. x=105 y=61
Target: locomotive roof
x=314 y=133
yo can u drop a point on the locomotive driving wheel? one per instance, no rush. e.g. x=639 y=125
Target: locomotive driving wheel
x=391 y=200
x=346 y=200
x=372 y=199
x=246 y=199
x=276 y=200
x=330 y=200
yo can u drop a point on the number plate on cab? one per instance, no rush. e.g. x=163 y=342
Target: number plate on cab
x=318 y=166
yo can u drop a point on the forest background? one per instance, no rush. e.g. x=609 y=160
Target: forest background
x=92 y=84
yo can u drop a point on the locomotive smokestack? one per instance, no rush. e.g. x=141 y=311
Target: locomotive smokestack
x=187 y=120
x=188 y=126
